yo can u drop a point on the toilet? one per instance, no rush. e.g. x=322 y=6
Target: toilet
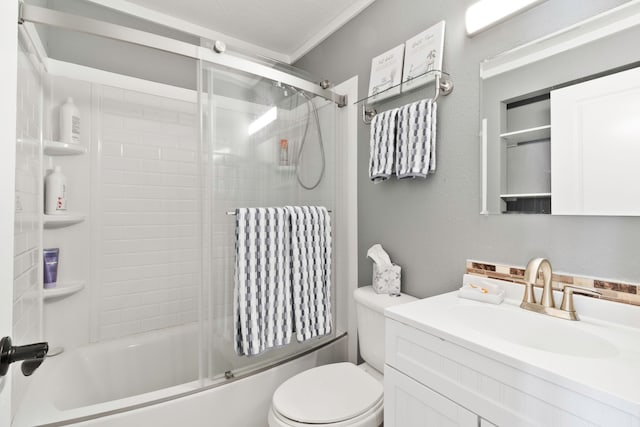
x=341 y=394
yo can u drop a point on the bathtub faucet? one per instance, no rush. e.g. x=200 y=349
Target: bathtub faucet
x=32 y=356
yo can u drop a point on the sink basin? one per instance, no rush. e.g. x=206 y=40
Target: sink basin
x=533 y=330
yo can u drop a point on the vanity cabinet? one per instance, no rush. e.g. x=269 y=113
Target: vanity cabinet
x=430 y=379
x=409 y=403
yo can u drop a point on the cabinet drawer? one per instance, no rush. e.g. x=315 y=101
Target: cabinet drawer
x=407 y=403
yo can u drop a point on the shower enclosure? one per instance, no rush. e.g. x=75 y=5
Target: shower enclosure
x=143 y=308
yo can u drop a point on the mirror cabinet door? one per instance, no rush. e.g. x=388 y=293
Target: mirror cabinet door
x=530 y=97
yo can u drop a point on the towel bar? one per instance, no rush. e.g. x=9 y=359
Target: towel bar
x=234 y=212
x=443 y=86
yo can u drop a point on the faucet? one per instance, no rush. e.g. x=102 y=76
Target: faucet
x=534 y=267
x=546 y=304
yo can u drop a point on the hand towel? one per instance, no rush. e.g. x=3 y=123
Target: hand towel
x=262 y=295
x=416 y=140
x=311 y=270
x=382 y=145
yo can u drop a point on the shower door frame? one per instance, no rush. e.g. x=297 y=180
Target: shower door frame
x=346 y=197
x=8 y=81
x=40 y=15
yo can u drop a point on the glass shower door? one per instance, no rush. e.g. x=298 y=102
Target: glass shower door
x=267 y=145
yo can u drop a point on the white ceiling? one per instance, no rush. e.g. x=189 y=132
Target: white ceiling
x=281 y=29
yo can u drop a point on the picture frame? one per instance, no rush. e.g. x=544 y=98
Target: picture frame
x=423 y=53
x=386 y=74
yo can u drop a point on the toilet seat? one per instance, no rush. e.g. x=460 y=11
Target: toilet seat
x=337 y=394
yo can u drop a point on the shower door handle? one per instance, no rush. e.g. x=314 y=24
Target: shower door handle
x=32 y=356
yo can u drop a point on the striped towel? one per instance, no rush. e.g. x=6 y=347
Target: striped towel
x=262 y=291
x=416 y=145
x=311 y=270
x=382 y=145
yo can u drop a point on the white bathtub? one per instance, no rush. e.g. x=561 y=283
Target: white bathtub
x=119 y=380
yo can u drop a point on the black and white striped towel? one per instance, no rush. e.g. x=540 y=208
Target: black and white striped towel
x=311 y=270
x=382 y=145
x=416 y=144
x=262 y=291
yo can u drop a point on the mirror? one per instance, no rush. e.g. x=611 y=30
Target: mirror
x=532 y=161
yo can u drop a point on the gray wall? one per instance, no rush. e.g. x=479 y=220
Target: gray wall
x=432 y=226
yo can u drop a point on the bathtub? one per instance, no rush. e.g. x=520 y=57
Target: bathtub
x=151 y=379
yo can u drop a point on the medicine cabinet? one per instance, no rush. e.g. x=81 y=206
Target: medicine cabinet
x=538 y=101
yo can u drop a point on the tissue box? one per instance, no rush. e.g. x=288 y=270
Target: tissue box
x=386 y=281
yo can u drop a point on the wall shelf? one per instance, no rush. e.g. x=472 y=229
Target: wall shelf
x=443 y=86
x=527 y=135
x=61 y=220
x=57 y=148
x=525 y=195
x=63 y=289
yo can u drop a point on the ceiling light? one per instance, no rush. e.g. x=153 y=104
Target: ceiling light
x=263 y=120
x=485 y=13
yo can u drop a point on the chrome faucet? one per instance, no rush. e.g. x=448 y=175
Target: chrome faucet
x=546 y=304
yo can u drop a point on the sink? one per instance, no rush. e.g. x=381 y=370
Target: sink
x=517 y=326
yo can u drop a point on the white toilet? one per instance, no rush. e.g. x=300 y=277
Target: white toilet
x=341 y=394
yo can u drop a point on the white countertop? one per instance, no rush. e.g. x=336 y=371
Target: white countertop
x=608 y=332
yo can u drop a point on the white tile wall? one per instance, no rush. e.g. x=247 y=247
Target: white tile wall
x=150 y=214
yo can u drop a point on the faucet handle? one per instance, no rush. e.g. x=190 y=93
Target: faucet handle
x=567 y=295
x=529 y=296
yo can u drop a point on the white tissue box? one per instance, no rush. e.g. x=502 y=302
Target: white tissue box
x=387 y=280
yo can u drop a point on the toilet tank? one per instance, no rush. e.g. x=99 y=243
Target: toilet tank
x=370 y=322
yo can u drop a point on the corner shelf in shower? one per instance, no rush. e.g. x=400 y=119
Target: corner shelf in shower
x=61 y=220
x=57 y=148
x=63 y=289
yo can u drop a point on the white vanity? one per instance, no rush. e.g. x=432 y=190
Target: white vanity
x=456 y=362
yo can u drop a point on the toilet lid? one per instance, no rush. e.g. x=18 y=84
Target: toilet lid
x=327 y=394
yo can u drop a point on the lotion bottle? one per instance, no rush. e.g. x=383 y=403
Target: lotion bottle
x=55 y=192
x=69 y=122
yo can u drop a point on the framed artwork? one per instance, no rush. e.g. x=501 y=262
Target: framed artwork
x=423 y=53
x=386 y=74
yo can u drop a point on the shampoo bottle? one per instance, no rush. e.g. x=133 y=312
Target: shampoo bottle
x=284 y=152
x=69 y=122
x=55 y=192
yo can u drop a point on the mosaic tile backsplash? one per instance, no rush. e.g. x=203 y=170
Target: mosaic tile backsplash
x=626 y=293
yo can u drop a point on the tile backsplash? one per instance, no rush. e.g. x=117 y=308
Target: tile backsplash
x=612 y=290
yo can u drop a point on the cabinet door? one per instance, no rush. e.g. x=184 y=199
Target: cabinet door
x=407 y=403
x=594 y=146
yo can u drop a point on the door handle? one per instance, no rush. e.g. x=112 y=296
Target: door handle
x=32 y=356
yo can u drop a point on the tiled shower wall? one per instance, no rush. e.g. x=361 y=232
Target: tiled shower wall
x=27 y=282
x=147 y=209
